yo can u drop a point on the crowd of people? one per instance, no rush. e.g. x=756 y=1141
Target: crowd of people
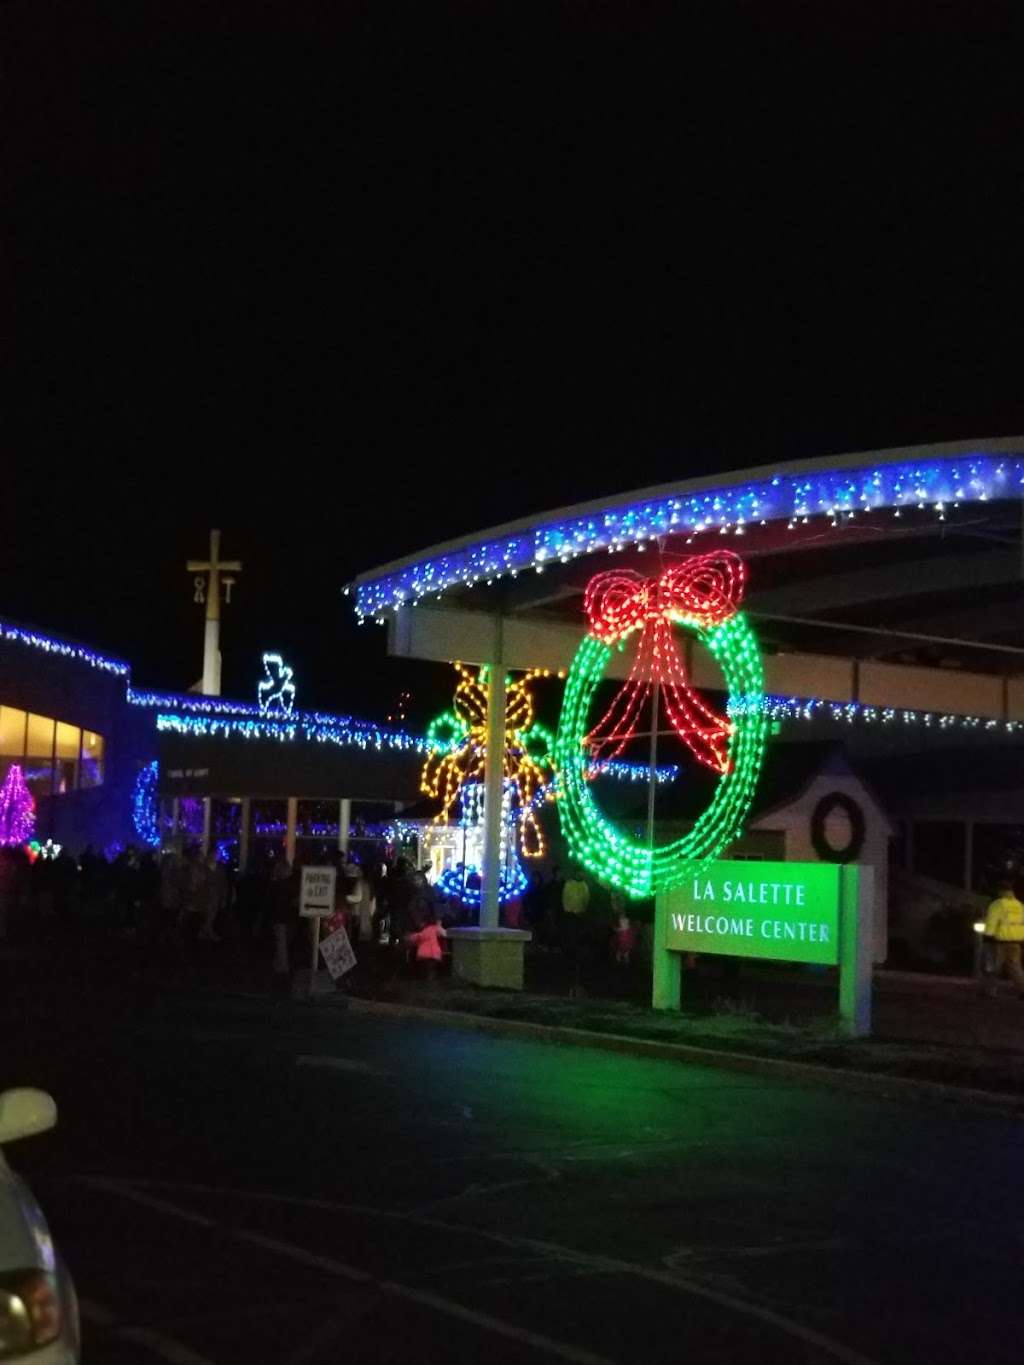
x=36 y=889
x=181 y=896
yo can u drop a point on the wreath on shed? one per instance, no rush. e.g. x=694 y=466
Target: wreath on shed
x=826 y=851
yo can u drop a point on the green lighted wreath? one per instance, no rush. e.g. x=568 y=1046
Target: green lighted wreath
x=701 y=594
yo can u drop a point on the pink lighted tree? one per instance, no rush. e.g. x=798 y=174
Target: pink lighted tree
x=17 y=808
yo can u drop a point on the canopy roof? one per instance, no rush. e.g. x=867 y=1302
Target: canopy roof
x=911 y=554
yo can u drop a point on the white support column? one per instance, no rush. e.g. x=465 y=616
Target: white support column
x=344 y=821
x=211 y=658
x=243 y=834
x=494 y=785
x=289 y=832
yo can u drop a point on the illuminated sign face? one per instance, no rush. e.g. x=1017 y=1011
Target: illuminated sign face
x=785 y=911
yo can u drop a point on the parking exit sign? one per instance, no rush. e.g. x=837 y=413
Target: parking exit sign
x=788 y=912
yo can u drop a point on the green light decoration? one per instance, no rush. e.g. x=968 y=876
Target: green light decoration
x=701 y=595
x=446 y=732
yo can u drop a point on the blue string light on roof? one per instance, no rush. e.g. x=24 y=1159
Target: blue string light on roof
x=304 y=729
x=779 y=709
x=192 y=702
x=839 y=495
x=195 y=704
x=233 y=720
x=49 y=644
x=621 y=771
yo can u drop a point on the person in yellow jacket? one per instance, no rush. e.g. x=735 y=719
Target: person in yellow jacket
x=1004 y=923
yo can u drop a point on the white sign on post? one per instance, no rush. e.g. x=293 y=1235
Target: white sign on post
x=337 y=953
x=317 y=896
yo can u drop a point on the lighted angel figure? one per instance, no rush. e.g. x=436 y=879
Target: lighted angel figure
x=276 y=691
x=458 y=753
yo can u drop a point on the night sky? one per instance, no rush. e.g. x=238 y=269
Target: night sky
x=349 y=279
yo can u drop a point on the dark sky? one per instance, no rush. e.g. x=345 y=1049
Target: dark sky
x=346 y=279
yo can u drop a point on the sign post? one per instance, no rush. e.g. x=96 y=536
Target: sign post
x=785 y=912
x=855 y=969
x=316 y=902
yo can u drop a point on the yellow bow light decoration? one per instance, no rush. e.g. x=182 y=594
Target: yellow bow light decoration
x=458 y=751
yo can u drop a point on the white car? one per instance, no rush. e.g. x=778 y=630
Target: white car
x=38 y=1308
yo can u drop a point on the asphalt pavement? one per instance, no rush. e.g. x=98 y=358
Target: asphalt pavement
x=254 y=1180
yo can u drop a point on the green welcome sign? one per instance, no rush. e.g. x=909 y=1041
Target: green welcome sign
x=785 y=911
x=789 y=912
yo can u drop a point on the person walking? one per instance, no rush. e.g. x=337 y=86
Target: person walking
x=8 y=887
x=149 y=895
x=533 y=904
x=401 y=895
x=126 y=894
x=281 y=916
x=215 y=898
x=428 y=946
x=551 y=907
x=1004 y=924
x=192 y=896
x=575 y=899
x=360 y=904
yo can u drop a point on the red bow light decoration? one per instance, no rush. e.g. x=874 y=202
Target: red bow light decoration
x=703 y=591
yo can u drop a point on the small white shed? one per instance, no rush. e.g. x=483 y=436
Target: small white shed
x=813 y=800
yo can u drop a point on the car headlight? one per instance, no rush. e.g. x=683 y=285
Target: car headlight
x=30 y=1311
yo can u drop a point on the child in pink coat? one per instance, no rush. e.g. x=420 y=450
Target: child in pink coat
x=624 y=939
x=428 y=947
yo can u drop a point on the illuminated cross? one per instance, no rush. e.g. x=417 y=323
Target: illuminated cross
x=207 y=589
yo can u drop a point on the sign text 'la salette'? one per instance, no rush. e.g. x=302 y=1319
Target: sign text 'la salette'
x=757 y=910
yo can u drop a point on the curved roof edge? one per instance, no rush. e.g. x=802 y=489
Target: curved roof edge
x=961 y=471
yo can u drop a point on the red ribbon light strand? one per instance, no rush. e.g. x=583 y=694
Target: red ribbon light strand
x=705 y=591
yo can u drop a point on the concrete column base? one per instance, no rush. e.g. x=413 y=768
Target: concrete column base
x=489 y=957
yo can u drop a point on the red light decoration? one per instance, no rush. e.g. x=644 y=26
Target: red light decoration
x=701 y=595
x=703 y=591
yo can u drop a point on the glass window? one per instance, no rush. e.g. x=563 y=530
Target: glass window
x=12 y=732
x=998 y=855
x=39 y=755
x=69 y=740
x=939 y=850
x=92 y=759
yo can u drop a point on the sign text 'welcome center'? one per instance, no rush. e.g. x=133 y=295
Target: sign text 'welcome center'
x=787 y=911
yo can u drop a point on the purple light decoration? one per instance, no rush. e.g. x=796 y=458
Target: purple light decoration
x=190 y=815
x=17 y=808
